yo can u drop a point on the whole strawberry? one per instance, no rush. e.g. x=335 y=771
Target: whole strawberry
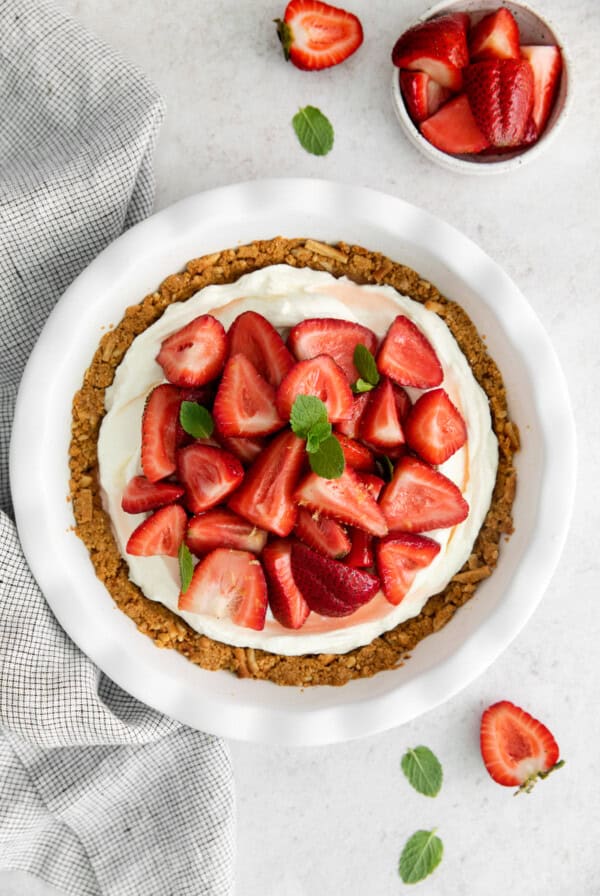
x=500 y=94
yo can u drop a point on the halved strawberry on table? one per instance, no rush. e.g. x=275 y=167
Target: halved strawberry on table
x=253 y=336
x=228 y=584
x=208 y=474
x=400 y=556
x=407 y=356
x=380 y=424
x=222 y=528
x=435 y=428
x=345 y=499
x=318 y=376
x=437 y=47
x=420 y=498
x=160 y=421
x=322 y=533
x=500 y=94
x=285 y=598
x=245 y=402
x=453 y=129
x=195 y=354
x=333 y=337
x=423 y=96
x=141 y=495
x=546 y=65
x=160 y=534
x=315 y=35
x=330 y=587
x=495 y=36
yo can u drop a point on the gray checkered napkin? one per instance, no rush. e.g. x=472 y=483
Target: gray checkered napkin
x=98 y=793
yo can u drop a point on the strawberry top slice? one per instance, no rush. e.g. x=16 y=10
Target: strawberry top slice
x=346 y=499
x=437 y=47
x=500 y=94
x=245 y=402
x=495 y=36
x=159 y=432
x=400 y=556
x=420 y=498
x=435 y=428
x=318 y=376
x=161 y=533
x=315 y=35
x=329 y=336
x=228 y=584
x=195 y=354
x=253 y=336
x=285 y=598
x=408 y=357
x=331 y=588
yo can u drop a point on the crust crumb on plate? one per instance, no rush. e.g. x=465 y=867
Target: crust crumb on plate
x=93 y=525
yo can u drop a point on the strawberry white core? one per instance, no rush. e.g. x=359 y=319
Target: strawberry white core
x=285 y=296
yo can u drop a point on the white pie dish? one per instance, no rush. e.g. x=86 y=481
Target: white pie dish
x=217 y=701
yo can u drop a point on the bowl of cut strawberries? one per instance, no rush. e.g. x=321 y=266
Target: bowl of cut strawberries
x=478 y=87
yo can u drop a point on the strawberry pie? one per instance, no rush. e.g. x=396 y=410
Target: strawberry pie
x=283 y=463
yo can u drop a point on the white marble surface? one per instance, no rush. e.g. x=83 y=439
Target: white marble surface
x=334 y=819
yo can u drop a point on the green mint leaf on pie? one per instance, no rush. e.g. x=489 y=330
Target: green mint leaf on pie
x=186 y=566
x=421 y=855
x=361 y=386
x=314 y=130
x=423 y=770
x=318 y=433
x=328 y=461
x=196 y=420
x=365 y=364
x=308 y=412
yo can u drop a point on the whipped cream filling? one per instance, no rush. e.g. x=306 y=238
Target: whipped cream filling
x=285 y=296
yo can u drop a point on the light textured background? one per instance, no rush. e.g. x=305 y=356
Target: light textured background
x=334 y=819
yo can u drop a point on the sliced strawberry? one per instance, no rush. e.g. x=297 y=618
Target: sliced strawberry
x=345 y=499
x=373 y=483
x=253 y=336
x=400 y=556
x=516 y=748
x=403 y=402
x=407 y=356
x=228 y=584
x=285 y=598
x=266 y=495
x=141 y=495
x=350 y=425
x=315 y=35
x=546 y=65
x=420 y=498
x=361 y=554
x=356 y=455
x=329 y=336
x=437 y=47
x=495 y=36
x=159 y=432
x=380 y=425
x=222 y=528
x=161 y=533
x=500 y=94
x=331 y=588
x=435 y=428
x=422 y=95
x=322 y=534
x=245 y=449
x=195 y=354
x=453 y=129
x=208 y=474
x=245 y=402
x=319 y=376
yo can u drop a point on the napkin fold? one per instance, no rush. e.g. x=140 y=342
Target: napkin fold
x=99 y=794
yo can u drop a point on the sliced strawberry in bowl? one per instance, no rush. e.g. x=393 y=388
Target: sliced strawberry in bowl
x=160 y=534
x=345 y=499
x=245 y=402
x=437 y=47
x=141 y=495
x=315 y=35
x=420 y=498
x=495 y=36
x=453 y=129
x=208 y=474
x=318 y=376
x=435 y=428
x=195 y=354
x=423 y=96
x=322 y=533
x=253 y=336
x=222 y=528
x=330 y=587
x=333 y=337
x=400 y=556
x=285 y=598
x=500 y=94
x=228 y=584
x=380 y=425
x=407 y=356
x=159 y=432
x=546 y=65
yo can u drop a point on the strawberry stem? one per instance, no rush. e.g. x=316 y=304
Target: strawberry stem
x=529 y=783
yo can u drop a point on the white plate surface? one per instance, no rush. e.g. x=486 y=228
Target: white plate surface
x=134 y=265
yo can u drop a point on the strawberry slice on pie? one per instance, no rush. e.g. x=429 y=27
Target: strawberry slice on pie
x=420 y=498
x=400 y=556
x=329 y=587
x=350 y=425
x=380 y=424
x=333 y=337
x=141 y=495
x=253 y=336
x=318 y=376
x=245 y=402
x=222 y=528
x=408 y=357
x=161 y=533
x=322 y=534
x=159 y=432
x=195 y=354
x=208 y=474
x=435 y=428
x=346 y=499
x=228 y=584
x=285 y=598
x=356 y=455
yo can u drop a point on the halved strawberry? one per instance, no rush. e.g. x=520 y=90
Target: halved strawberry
x=228 y=584
x=319 y=376
x=403 y=402
x=141 y=495
x=453 y=129
x=356 y=455
x=408 y=357
x=437 y=47
x=253 y=336
x=495 y=36
x=330 y=588
x=345 y=499
x=361 y=554
x=500 y=94
x=245 y=402
x=222 y=528
x=435 y=428
x=208 y=474
x=315 y=35
x=266 y=495
x=195 y=354
x=161 y=533
x=546 y=65
x=380 y=425
x=422 y=95
x=285 y=598
x=420 y=498
x=400 y=556
x=322 y=534
x=372 y=482
x=329 y=336
x=516 y=748
x=245 y=449
x=349 y=426
x=159 y=432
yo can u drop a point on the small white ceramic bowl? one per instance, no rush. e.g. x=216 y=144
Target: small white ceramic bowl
x=534 y=29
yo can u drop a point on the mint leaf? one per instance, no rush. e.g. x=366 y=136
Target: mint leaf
x=186 y=566
x=196 y=420
x=423 y=770
x=361 y=386
x=365 y=364
x=387 y=467
x=328 y=461
x=307 y=412
x=318 y=433
x=314 y=130
x=421 y=855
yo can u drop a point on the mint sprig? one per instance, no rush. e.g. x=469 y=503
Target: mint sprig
x=313 y=130
x=186 y=566
x=421 y=855
x=196 y=420
x=309 y=421
x=423 y=770
x=367 y=368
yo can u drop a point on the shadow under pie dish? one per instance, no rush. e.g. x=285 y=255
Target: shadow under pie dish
x=325 y=650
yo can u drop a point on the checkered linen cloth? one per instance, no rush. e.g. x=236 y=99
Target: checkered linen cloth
x=98 y=793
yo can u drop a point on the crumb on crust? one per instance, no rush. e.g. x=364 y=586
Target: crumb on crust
x=390 y=649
